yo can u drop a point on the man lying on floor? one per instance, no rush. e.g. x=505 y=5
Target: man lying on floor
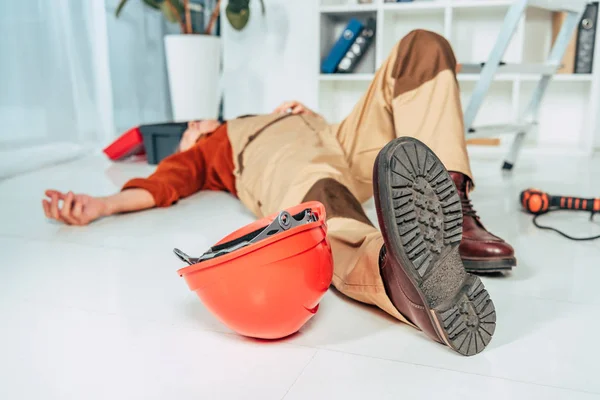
x=414 y=269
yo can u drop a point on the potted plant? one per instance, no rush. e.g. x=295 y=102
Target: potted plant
x=193 y=57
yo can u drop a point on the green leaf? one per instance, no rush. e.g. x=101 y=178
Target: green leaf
x=262 y=5
x=238 y=20
x=150 y=3
x=120 y=8
x=238 y=13
x=153 y=3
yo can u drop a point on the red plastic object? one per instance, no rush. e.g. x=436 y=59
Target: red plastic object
x=130 y=143
x=271 y=288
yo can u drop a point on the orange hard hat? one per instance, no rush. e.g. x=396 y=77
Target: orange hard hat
x=266 y=279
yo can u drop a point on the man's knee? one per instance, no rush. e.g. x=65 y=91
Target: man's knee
x=428 y=39
x=420 y=57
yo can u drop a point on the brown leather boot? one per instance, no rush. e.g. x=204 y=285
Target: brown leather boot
x=481 y=251
x=419 y=213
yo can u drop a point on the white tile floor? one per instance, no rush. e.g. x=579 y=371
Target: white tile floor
x=100 y=313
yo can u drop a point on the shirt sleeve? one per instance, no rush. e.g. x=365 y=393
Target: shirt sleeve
x=177 y=176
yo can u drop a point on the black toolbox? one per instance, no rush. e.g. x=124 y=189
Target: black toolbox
x=162 y=140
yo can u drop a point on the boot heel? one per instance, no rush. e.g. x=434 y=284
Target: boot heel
x=468 y=324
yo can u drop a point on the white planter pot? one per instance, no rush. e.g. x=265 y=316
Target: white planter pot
x=193 y=66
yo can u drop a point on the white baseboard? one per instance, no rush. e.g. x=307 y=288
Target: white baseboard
x=17 y=161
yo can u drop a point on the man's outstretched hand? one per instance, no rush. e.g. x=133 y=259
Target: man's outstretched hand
x=81 y=209
x=296 y=108
x=74 y=209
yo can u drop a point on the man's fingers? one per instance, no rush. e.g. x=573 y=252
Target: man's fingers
x=78 y=216
x=299 y=109
x=71 y=204
x=54 y=206
x=77 y=210
x=54 y=209
x=67 y=204
x=286 y=106
x=52 y=192
x=291 y=105
x=295 y=107
x=67 y=209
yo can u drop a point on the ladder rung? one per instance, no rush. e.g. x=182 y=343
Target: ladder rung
x=500 y=129
x=543 y=69
x=575 y=6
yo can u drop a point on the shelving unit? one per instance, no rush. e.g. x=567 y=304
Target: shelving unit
x=467 y=77
x=568 y=113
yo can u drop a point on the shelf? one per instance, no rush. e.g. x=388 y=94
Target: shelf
x=416 y=5
x=348 y=8
x=346 y=77
x=498 y=129
x=528 y=78
x=573 y=77
x=467 y=77
x=512 y=68
x=462 y=4
x=422 y=5
x=574 y=6
x=497 y=78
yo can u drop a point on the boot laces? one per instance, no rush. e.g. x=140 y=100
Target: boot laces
x=467 y=207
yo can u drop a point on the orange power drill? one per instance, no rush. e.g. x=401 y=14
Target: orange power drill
x=537 y=202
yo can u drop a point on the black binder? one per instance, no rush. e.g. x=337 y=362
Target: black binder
x=358 y=49
x=586 y=40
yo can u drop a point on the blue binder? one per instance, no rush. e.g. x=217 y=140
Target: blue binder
x=341 y=47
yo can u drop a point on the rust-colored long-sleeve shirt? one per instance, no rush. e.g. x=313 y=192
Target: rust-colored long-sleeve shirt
x=208 y=165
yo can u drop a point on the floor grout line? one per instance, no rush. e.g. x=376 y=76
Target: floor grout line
x=457 y=371
x=300 y=374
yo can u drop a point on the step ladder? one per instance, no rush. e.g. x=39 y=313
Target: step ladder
x=528 y=119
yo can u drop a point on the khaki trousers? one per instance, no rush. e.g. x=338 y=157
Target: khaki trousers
x=284 y=160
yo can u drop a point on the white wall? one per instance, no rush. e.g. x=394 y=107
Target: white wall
x=137 y=64
x=275 y=58
x=596 y=133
